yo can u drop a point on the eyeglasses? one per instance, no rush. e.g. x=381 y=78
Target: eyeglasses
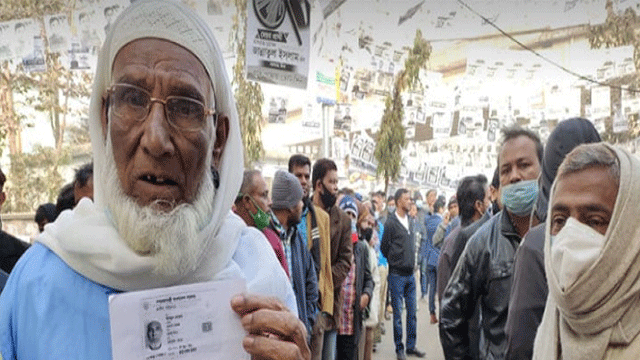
x=132 y=104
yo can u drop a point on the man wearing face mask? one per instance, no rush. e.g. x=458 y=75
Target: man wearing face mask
x=324 y=178
x=591 y=258
x=253 y=205
x=314 y=228
x=287 y=208
x=357 y=289
x=482 y=276
x=529 y=290
x=473 y=203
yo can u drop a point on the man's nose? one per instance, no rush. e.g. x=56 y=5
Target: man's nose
x=156 y=139
x=515 y=175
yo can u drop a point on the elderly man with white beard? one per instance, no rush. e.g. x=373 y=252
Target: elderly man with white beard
x=162 y=117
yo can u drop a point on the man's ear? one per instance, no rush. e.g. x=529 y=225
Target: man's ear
x=222 y=134
x=477 y=205
x=3 y=197
x=104 y=118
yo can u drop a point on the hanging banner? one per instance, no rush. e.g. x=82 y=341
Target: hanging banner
x=620 y=120
x=6 y=36
x=600 y=102
x=361 y=154
x=278 y=42
x=24 y=33
x=441 y=124
x=58 y=32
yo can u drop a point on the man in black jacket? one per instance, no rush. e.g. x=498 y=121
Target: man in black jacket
x=482 y=276
x=473 y=201
x=11 y=248
x=398 y=247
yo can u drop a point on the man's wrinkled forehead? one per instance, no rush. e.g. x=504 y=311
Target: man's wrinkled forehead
x=133 y=64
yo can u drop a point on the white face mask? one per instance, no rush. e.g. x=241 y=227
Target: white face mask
x=573 y=250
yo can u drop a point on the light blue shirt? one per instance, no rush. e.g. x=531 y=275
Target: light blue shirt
x=49 y=311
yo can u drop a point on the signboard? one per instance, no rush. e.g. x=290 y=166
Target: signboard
x=278 y=42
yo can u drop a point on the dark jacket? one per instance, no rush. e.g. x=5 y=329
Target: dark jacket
x=364 y=283
x=482 y=277
x=341 y=251
x=463 y=237
x=444 y=262
x=305 y=282
x=448 y=261
x=398 y=246
x=11 y=248
x=432 y=252
x=528 y=295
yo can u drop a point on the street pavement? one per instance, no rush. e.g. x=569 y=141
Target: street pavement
x=428 y=339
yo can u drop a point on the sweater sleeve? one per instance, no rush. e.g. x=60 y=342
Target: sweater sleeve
x=341 y=268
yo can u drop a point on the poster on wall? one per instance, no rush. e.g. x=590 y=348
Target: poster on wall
x=58 y=32
x=600 y=102
x=441 y=124
x=22 y=39
x=278 y=42
x=342 y=120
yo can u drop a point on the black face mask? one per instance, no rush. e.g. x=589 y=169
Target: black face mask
x=327 y=198
x=365 y=234
x=293 y=222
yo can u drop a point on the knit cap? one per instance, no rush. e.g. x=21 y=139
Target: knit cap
x=286 y=191
x=348 y=204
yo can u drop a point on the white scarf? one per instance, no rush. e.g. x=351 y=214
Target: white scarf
x=602 y=306
x=86 y=238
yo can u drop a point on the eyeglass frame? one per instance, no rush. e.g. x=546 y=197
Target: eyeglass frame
x=207 y=111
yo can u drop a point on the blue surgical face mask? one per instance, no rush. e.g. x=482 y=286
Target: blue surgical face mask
x=520 y=197
x=419 y=204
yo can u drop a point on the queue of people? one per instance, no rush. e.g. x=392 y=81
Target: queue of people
x=540 y=263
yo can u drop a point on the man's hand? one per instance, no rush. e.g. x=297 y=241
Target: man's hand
x=364 y=301
x=446 y=218
x=273 y=331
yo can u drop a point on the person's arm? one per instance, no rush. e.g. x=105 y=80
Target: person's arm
x=527 y=302
x=459 y=301
x=385 y=243
x=367 y=283
x=341 y=267
x=443 y=272
x=311 y=285
x=273 y=331
x=438 y=237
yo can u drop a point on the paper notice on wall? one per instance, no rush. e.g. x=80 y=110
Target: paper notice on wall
x=442 y=124
x=278 y=42
x=600 y=102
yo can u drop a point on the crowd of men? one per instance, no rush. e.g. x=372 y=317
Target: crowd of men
x=540 y=263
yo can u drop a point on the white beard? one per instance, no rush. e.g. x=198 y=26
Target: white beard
x=172 y=237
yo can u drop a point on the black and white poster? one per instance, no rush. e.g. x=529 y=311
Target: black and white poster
x=278 y=42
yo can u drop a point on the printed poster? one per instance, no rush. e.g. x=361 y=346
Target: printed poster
x=278 y=42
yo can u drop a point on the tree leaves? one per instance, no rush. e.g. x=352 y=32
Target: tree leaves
x=391 y=136
x=248 y=94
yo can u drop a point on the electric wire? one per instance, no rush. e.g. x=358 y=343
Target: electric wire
x=559 y=66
